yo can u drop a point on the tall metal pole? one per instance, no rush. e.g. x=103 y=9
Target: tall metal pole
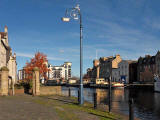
x=109 y=105
x=81 y=101
x=74 y=14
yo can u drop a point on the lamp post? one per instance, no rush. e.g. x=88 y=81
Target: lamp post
x=75 y=14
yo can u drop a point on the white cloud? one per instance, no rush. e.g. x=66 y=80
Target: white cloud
x=61 y=51
x=29 y=55
x=24 y=55
x=129 y=42
x=55 y=58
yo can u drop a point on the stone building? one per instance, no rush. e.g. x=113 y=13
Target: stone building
x=95 y=70
x=4 y=48
x=146 y=68
x=104 y=68
x=12 y=66
x=109 y=67
x=89 y=72
x=125 y=70
x=115 y=75
x=158 y=63
x=6 y=57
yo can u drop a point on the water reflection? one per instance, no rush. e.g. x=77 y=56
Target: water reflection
x=146 y=102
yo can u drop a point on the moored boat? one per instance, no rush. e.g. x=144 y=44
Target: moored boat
x=119 y=85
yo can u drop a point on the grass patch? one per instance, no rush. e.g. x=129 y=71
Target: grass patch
x=69 y=111
x=87 y=108
x=62 y=112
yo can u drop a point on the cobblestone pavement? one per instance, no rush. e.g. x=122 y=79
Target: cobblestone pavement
x=24 y=107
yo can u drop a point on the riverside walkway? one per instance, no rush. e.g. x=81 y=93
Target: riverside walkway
x=26 y=107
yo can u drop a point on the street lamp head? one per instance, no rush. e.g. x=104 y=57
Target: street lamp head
x=77 y=7
x=65 y=19
x=74 y=15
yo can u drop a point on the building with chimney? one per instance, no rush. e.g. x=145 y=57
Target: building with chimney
x=146 y=68
x=6 y=57
x=104 y=68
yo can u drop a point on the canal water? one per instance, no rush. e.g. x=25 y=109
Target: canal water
x=146 y=102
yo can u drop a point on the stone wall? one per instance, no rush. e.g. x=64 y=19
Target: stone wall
x=36 y=81
x=50 y=90
x=4 y=81
x=17 y=91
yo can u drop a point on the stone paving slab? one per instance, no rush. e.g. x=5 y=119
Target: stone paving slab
x=25 y=107
x=22 y=108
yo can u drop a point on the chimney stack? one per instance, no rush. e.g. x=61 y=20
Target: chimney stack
x=6 y=29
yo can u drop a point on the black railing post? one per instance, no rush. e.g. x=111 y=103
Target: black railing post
x=78 y=96
x=95 y=100
x=69 y=92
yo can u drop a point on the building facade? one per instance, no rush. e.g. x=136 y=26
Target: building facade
x=146 y=69
x=21 y=74
x=12 y=66
x=158 y=63
x=133 y=72
x=115 y=75
x=60 y=72
x=104 y=68
x=6 y=57
x=109 y=67
x=126 y=70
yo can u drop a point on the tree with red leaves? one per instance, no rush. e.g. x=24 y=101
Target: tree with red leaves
x=40 y=61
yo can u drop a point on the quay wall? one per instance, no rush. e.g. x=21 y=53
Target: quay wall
x=50 y=90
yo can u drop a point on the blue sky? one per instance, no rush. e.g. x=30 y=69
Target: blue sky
x=130 y=28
